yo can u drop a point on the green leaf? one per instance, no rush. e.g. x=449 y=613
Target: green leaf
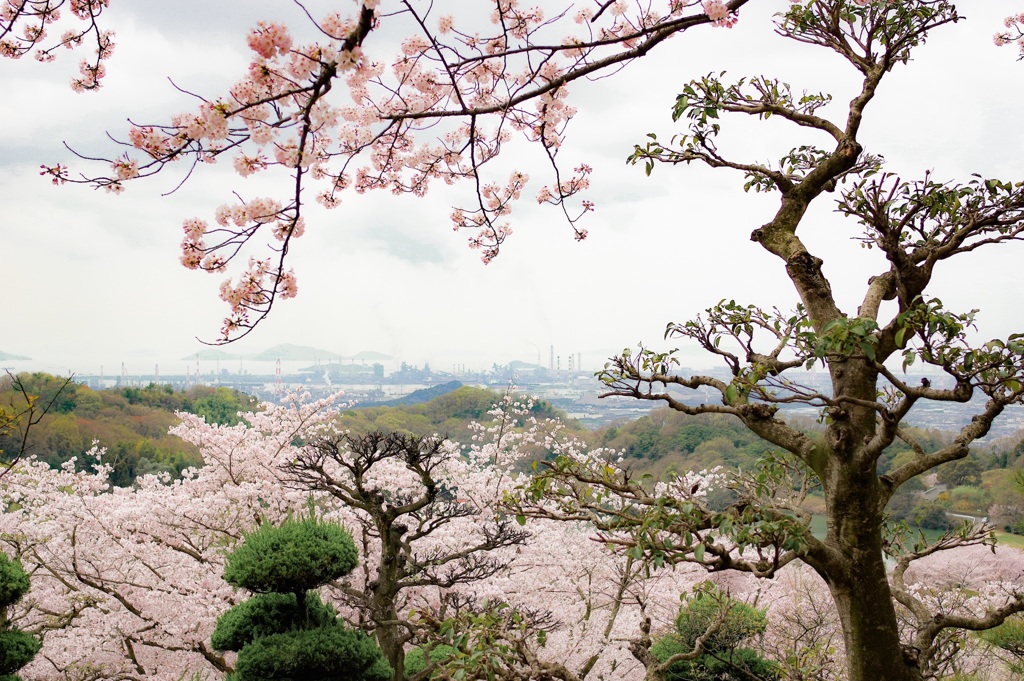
x=698 y=553
x=521 y=519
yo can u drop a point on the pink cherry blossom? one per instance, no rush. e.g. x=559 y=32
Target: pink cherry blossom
x=269 y=39
x=440 y=108
x=719 y=13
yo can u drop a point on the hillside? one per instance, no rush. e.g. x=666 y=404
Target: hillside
x=131 y=423
x=449 y=414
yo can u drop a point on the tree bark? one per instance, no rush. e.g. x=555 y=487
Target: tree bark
x=388 y=636
x=856 y=575
x=384 y=596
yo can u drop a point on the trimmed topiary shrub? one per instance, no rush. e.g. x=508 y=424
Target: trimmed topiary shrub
x=285 y=631
x=298 y=555
x=266 y=614
x=333 y=652
x=17 y=648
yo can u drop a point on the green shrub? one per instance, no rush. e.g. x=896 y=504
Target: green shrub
x=723 y=658
x=415 y=660
x=13 y=581
x=332 y=652
x=285 y=631
x=266 y=614
x=296 y=556
x=17 y=648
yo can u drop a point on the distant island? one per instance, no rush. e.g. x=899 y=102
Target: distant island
x=285 y=352
x=9 y=356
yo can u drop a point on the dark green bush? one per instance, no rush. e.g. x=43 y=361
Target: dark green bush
x=332 y=652
x=17 y=648
x=296 y=556
x=286 y=632
x=724 y=658
x=266 y=614
x=13 y=581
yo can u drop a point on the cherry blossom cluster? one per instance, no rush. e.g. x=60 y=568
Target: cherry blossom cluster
x=58 y=173
x=1014 y=33
x=32 y=27
x=127 y=582
x=256 y=285
x=719 y=13
x=803 y=633
x=965 y=582
x=442 y=107
x=495 y=201
x=564 y=189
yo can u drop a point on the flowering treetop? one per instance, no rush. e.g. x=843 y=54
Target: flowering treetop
x=127 y=582
x=1014 y=33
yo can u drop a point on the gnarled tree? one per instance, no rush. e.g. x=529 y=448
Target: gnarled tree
x=428 y=534
x=918 y=225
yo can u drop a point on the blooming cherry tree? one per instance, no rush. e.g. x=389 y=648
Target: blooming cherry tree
x=127 y=583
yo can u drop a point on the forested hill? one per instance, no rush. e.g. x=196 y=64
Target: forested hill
x=666 y=439
x=449 y=415
x=988 y=483
x=132 y=424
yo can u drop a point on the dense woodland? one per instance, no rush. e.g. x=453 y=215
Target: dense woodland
x=130 y=424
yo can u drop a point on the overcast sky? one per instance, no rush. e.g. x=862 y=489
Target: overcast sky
x=93 y=279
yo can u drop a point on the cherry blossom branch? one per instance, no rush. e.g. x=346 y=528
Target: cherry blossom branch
x=1014 y=33
x=450 y=103
x=26 y=25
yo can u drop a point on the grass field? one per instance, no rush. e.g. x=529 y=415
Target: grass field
x=1014 y=541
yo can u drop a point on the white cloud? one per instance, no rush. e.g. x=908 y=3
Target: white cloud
x=96 y=279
